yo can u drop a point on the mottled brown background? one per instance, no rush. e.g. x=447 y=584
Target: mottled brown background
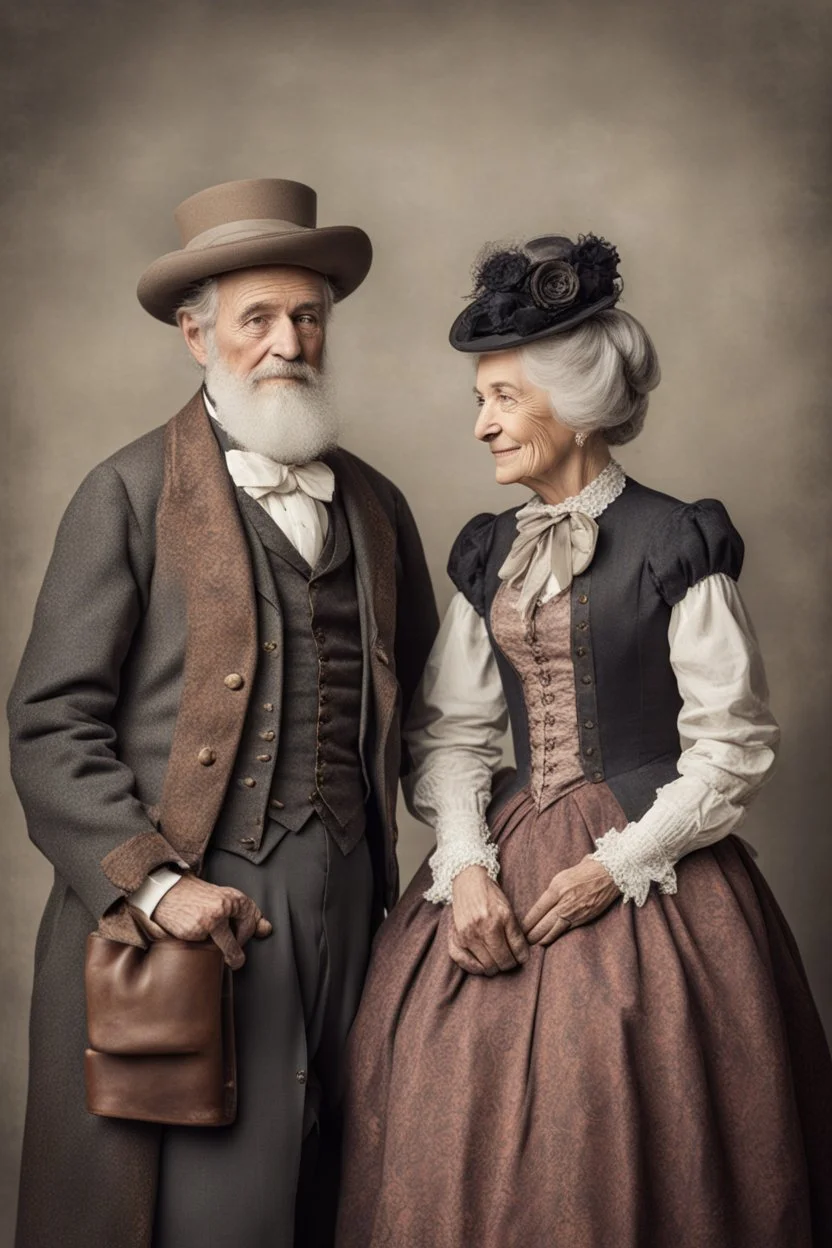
x=694 y=136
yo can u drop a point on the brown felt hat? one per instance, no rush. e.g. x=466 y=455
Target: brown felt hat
x=241 y=225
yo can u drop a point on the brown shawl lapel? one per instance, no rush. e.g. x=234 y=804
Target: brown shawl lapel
x=200 y=540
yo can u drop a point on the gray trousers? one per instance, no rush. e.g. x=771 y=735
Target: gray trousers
x=294 y=1002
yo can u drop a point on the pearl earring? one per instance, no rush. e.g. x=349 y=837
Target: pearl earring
x=580 y=438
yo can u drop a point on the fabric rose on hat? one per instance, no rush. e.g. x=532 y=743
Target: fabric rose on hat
x=501 y=271
x=596 y=263
x=554 y=284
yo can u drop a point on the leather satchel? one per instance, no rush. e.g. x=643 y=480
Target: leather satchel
x=161 y=1033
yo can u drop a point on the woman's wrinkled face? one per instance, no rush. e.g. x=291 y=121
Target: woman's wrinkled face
x=517 y=421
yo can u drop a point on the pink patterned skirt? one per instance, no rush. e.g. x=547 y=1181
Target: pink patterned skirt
x=656 y=1079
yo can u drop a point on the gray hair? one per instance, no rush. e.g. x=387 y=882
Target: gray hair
x=598 y=375
x=202 y=302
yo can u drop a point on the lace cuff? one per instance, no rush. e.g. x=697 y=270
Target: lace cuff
x=462 y=842
x=635 y=859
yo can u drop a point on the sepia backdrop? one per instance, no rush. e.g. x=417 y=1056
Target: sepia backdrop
x=692 y=136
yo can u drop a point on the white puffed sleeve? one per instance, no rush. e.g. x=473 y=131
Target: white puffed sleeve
x=453 y=734
x=728 y=737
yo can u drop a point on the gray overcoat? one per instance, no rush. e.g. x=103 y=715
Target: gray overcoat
x=147 y=605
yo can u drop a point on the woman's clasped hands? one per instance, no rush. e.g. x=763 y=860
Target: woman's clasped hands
x=485 y=936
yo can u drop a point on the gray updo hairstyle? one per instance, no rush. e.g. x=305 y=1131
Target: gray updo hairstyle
x=598 y=375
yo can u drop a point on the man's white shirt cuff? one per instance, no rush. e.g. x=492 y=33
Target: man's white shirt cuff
x=148 y=895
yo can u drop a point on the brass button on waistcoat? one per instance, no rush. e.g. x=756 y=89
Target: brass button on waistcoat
x=207 y=756
x=300 y=1075
x=581 y=651
x=584 y=624
x=269 y=645
x=248 y=782
x=583 y=599
x=234 y=681
x=267 y=736
x=597 y=775
x=589 y=751
x=589 y=723
x=586 y=680
x=264 y=758
x=268 y=706
x=248 y=841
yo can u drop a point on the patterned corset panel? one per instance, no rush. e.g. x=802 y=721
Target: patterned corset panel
x=540 y=653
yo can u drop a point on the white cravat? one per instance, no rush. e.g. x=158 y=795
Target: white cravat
x=293 y=495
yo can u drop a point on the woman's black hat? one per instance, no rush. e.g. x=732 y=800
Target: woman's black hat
x=545 y=287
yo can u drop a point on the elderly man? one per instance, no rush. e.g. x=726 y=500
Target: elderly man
x=205 y=739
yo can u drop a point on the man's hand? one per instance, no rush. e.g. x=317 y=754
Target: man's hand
x=485 y=937
x=575 y=896
x=194 y=910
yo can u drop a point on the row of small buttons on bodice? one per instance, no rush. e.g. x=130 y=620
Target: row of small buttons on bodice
x=583 y=654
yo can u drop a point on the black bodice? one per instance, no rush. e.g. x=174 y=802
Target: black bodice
x=651 y=550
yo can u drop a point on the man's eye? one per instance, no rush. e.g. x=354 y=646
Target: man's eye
x=308 y=318
x=257 y=321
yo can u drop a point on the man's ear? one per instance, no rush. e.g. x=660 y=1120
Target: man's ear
x=194 y=336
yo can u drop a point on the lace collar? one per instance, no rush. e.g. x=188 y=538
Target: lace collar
x=593 y=499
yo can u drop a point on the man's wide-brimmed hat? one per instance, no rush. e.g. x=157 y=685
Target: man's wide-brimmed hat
x=241 y=225
x=546 y=286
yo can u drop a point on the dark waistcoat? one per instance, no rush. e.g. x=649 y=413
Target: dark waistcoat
x=627 y=697
x=300 y=751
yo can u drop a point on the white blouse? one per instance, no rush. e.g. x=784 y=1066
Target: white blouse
x=727 y=733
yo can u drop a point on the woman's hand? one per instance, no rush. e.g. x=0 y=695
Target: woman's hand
x=575 y=896
x=485 y=937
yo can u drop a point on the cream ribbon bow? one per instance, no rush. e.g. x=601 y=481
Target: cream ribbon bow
x=258 y=476
x=550 y=542
x=292 y=494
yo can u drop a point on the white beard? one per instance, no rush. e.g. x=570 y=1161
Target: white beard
x=291 y=422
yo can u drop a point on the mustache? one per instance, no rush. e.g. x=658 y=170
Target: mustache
x=299 y=370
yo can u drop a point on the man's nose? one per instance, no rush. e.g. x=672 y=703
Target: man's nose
x=285 y=340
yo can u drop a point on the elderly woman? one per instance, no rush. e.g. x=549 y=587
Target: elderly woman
x=586 y=1022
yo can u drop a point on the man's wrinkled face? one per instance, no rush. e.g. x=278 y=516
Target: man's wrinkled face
x=266 y=318
x=264 y=362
